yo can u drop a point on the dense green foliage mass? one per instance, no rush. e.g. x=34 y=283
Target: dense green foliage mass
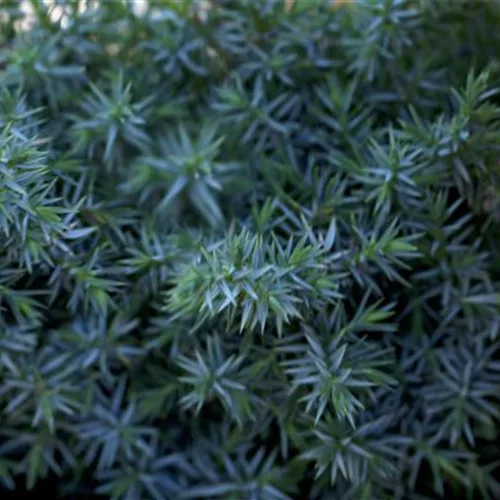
x=249 y=249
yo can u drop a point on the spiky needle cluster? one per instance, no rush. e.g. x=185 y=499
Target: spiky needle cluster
x=249 y=248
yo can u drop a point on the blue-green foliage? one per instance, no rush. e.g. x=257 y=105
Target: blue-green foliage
x=249 y=249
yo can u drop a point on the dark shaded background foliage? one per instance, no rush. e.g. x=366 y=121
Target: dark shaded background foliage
x=250 y=251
